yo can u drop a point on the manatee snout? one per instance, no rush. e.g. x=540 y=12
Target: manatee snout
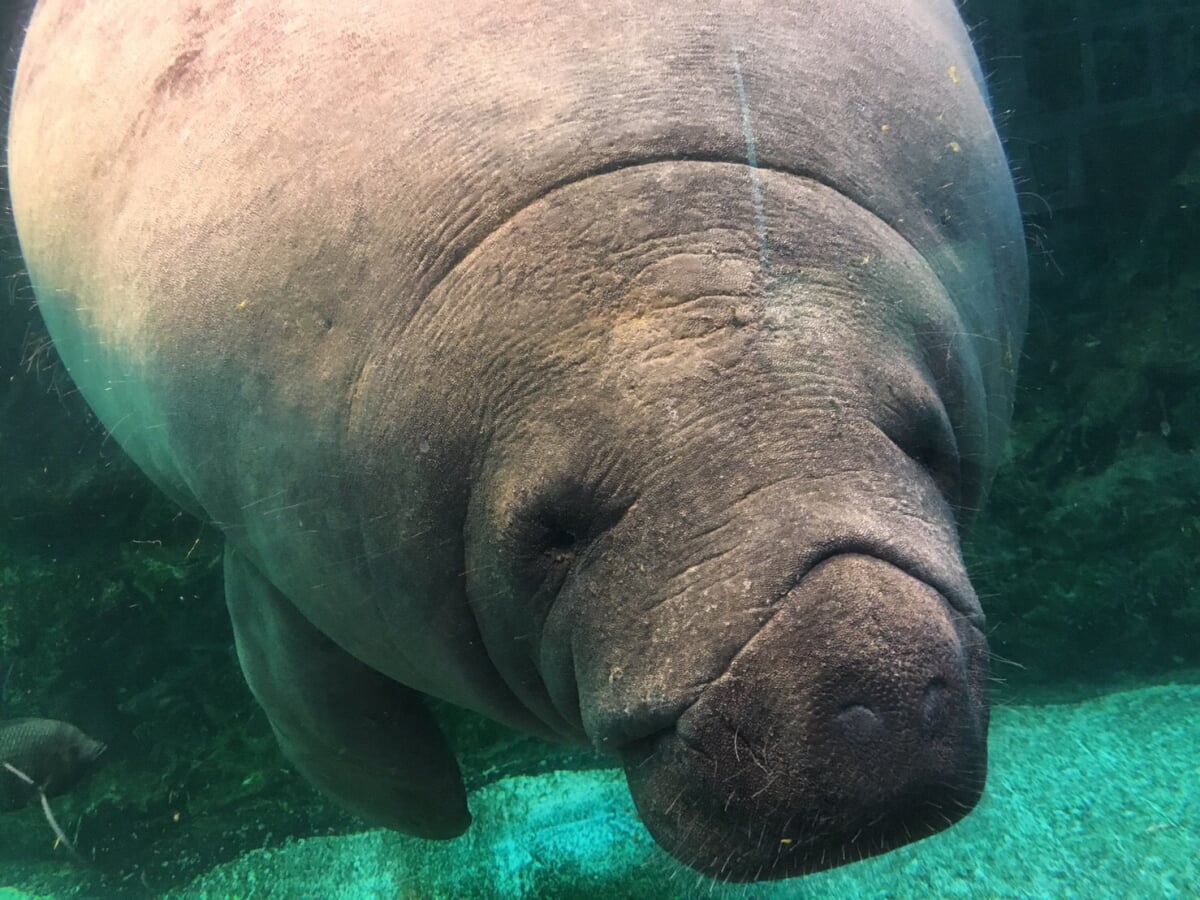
x=852 y=723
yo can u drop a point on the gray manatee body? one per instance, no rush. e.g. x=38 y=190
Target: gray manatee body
x=624 y=372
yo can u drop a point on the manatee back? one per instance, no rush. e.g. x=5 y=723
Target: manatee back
x=238 y=208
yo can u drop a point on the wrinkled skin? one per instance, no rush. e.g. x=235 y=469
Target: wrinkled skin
x=624 y=372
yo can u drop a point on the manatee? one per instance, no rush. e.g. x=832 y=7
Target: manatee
x=623 y=372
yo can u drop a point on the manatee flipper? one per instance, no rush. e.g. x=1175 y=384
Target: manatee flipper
x=367 y=741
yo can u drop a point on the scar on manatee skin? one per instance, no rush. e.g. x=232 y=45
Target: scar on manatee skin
x=756 y=198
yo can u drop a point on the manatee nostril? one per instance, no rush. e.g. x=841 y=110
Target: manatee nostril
x=859 y=722
x=935 y=705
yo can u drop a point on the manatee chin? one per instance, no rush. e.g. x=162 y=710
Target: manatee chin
x=853 y=723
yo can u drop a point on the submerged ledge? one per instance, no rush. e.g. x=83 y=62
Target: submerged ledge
x=1092 y=799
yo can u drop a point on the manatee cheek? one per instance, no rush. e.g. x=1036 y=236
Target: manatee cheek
x=853 y=723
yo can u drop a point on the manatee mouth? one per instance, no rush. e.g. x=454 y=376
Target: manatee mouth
x=726 y=838
x=854 y=723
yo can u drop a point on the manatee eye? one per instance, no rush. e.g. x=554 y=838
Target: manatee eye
x=560 y=538
x=923 y=452
x=563 y=524
x=554 y=528
x=555 y=534
x=927 y=439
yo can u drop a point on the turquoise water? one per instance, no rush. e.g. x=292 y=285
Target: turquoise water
x=1097 y=799
x=1094 y=799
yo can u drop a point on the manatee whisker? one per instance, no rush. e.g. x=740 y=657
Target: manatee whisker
x=994 y=656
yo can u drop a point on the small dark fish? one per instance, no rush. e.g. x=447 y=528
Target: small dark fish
x=42 y=758
x=54 y=755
